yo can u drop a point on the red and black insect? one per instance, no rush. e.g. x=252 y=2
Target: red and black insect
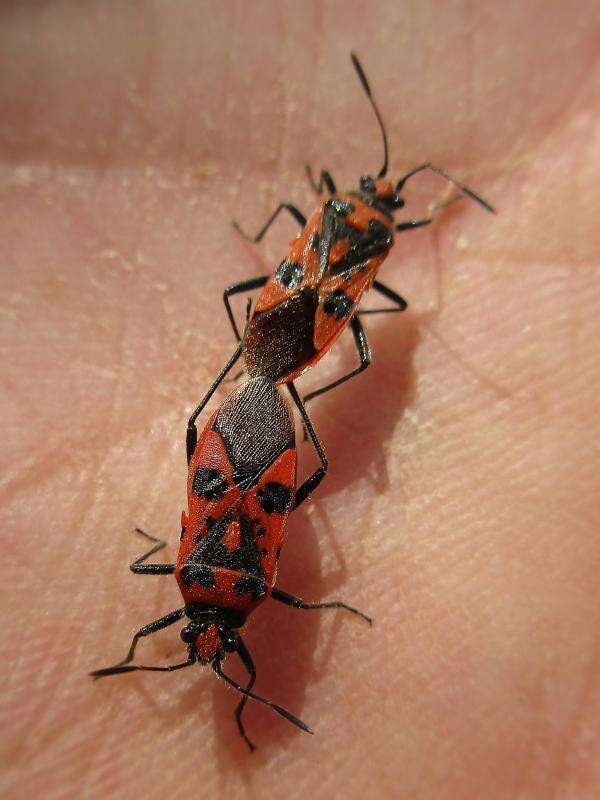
x=241 y=488
x=315 y=291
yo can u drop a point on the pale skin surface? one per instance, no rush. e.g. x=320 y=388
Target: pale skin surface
x=462 y=505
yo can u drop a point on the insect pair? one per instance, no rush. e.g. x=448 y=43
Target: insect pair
x=242 y=468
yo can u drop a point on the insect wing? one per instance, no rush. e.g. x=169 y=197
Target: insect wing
x=211 y=488
x=268 y=505
x=299 y=270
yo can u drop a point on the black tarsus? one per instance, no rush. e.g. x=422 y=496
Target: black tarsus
x=247 y=661
x=311 y=483
x=101 y=673
x=419 y=223
x=296 y=214
x=365 y=84
x=439 y=171
x=325 y=179
x=139 y=568
x=152 y=627
x=278 y=709
x=296 y=602
x=236 y=288
x=364 y=353
x=192 y=433
x=401 y=304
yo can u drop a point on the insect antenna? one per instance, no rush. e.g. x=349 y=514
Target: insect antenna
x=282 y=711
x=365 y=83
x=443 y=174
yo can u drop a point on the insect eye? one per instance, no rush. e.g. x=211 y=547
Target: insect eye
x=188 y=634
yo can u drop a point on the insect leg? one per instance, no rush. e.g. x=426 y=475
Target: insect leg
x=192 y=433
x=400 y=302
x=140 y=568
x=296 y=214
x=236 y=288
x=152 y=627
x=278 y=709
x=463 y=189
x=325 y=179
x=119 y=670
x=311 y=483
x=364 y=353
x=296 y=602
x=419 y=223
x=247 y=661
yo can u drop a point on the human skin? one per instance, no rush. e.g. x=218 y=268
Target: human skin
x=461 y=509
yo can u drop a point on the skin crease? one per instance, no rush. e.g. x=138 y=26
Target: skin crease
x=461 y=509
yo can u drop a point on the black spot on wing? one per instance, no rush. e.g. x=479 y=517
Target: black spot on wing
x=275 y=498
x=209 y=483
x=198 y=573
x=248 y=584
x=337 y=304
x=289 y=274
x=377 y=230
x=211 y=553
x=314 y=241
x=343 y=231
x=363 y=245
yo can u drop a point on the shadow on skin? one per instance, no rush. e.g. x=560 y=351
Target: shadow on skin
x=356 y=419
x=283 y=640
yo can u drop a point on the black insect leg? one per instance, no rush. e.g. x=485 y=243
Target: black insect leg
x=296 y=214
x=400 y=302
x=311 y=483
x=419 y=223
x=325 y=179
x=192 y=433
x=463 y=189
x=296 y=602
x=236 y=288
x=117 y=670
x=247 y=661
x=278 y=709
x=152 y=627
x=364 y=353
x=140 y=568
